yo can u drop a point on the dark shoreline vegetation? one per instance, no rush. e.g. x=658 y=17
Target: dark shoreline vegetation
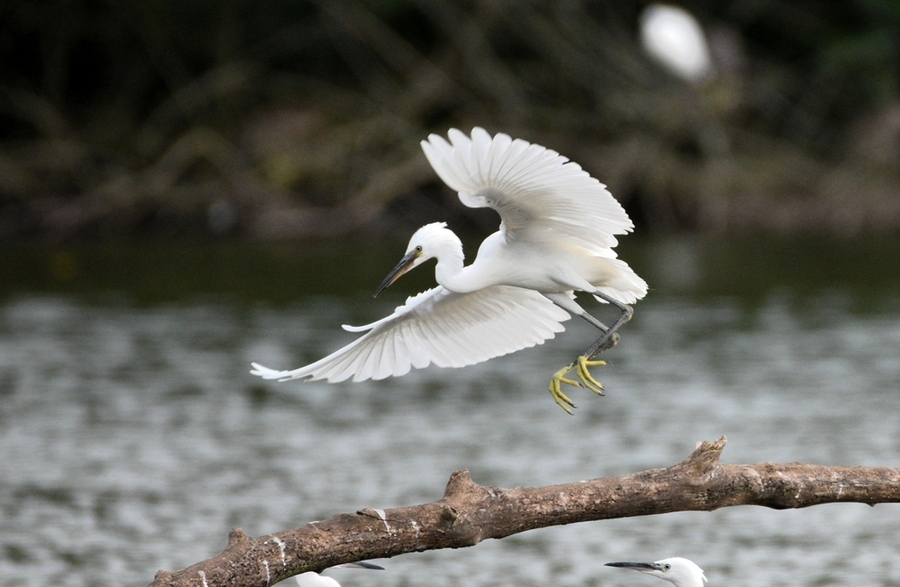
x=303 y=119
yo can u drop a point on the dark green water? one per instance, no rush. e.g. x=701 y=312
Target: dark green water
x=745 y=268
x=132 y=437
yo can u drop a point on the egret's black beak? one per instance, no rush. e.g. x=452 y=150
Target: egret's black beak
x=362 y=565
x=635 y=566
x=402 y=267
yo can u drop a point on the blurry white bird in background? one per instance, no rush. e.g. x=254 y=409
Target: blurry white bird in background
x=681 y=572
x=556 y=237
x=313 y=579
x=674 y=38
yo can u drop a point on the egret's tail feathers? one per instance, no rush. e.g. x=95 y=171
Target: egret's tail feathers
x=626 y=296
x=623 y=284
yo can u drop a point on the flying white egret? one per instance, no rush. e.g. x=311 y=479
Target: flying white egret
x=556 y=237
x=313 y=579
x=681 y=572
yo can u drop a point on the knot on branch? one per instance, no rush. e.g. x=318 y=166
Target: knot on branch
x=705 y=458
x=460 y=484
x=237 y=536
x=449 y=514
x=163 y=577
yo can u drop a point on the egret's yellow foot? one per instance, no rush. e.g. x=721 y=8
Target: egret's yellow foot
x=561 y=399
x=585 y=375
x=587 y=380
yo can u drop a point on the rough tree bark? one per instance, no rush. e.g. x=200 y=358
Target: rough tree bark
x=469 y=513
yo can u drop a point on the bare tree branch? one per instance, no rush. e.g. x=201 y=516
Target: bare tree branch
x=469 y=513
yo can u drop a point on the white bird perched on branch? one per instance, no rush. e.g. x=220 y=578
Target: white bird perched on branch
x=681 y=572
x=313 y=579
x=556 y=237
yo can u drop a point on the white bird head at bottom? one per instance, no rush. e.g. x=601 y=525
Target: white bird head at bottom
x=314 y=579
x=681 y=572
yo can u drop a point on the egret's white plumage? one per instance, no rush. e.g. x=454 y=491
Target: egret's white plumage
x=681 y=572
x=440 y=327
x=557 y=230
x=313 y=579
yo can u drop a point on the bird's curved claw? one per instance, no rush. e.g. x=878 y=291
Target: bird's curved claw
x=585 y=375
x=581 y=367
x=561 y=399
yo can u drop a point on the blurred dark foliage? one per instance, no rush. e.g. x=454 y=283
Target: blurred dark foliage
x=291 y=117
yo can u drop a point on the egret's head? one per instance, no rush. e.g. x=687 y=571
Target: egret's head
x=679 y=571
x=313 y=579
x=431 y=241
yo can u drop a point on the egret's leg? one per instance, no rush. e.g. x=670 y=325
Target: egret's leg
x=606 y=341
x=609 y=339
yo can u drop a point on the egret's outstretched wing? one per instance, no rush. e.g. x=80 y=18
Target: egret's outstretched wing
x=441 y=327
x=539 y=194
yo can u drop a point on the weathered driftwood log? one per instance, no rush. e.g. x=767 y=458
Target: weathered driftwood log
x=469 y=513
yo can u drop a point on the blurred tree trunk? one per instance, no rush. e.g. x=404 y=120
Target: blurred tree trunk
x=469 y=513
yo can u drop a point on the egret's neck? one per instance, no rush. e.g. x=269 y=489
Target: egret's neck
x=486 y=270
x=449 y=265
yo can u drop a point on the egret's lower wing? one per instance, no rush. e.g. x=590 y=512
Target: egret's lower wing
x=267 y=373
x=441 y=327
